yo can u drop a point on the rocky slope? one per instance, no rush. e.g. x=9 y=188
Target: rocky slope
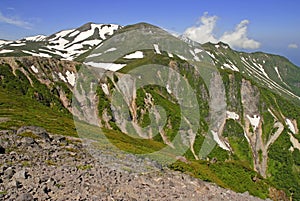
x=36 y=165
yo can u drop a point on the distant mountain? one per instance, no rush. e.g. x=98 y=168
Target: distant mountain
x=247 y=104
x=66 y=44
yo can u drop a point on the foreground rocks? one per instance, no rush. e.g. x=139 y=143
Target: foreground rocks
x=35 y=165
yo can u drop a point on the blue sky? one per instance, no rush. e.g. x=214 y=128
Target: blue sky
x=267 y=25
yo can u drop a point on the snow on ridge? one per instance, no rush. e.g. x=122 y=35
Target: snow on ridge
x=290 y=125
x=61 y=34
x=135 y=55
x=83 y=35
x=105 y=29
x=36 y=38
x=4 y=42
x=107 y=66
x=250 y=68
x=218 y=141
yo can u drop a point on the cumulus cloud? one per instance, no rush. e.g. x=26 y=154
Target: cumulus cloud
x=293 y=46
x=238 y=38
x=203 y=31
x=14 y=21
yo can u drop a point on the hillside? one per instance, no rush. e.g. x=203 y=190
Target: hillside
x=227 y=117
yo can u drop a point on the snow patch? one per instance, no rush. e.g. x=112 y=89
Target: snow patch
x=232 y=115
x=170 y=55
x=94 y=55
x=231 y=67
x=135 y=55
x=182 y=57
x=71 y=77
x=279 y=76
x=218 y=141
x=61 y=34
x=34 y=69
x=156 y=49
x=92 y=42
x=110 y=50
x=37 y=54
x=197 y=50
x=247 y=138
x=211 y=55
x=254 y=121
x=107 y=66
x=105 y=89
x=5 y=51
x=62 y=77
x=17 y=44
x=290 y=125
x=168 y=89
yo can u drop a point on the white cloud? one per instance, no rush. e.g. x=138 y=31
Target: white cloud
x=205 y=33
x=293 y=46
x=15 y=21
x=238 y=38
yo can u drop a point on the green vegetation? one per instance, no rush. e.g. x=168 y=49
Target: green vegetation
x=27 y=101
x=232 y=175
x=84 y=167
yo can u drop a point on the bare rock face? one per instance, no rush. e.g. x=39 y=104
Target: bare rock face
x=59 y=168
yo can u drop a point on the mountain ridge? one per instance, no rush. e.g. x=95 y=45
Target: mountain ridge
x=256 y=135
